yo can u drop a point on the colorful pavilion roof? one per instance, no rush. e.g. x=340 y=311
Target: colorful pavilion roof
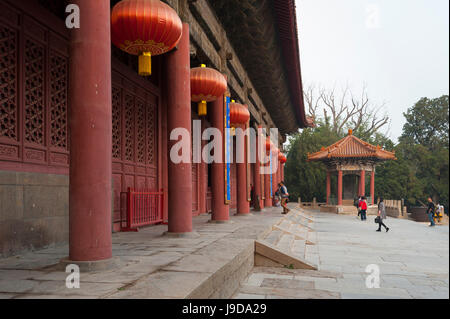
x=354 y=148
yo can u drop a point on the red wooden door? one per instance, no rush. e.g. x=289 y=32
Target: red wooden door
x=134 y=132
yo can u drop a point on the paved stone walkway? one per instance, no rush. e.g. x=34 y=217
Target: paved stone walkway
x=413 y=260
x=149 y=265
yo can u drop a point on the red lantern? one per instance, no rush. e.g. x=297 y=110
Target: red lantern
x=268 y=144
x=239 y=114
x=283 y=159
x=145 y=28
x=280 y=156
x=207 y=85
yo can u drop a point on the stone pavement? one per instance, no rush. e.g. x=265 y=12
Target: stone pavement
x=149 y=265
x=413 y=260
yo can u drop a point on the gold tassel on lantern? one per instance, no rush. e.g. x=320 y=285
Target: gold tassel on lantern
x=202 y=107
x=145 y=64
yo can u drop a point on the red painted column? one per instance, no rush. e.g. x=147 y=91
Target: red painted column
x=372 y=186
x=328 y=187
x=178 y=96
x=220 y=210
x=91 y=134
x=282 y=172
x=268 y=200
x=257 y=175
x=339 y=191
x=243 y=206
x=203 y=185
x=363 y=183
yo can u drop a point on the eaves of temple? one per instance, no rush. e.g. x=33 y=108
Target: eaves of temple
x=254 y=43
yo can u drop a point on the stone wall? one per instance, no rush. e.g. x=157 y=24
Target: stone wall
x=34 y=211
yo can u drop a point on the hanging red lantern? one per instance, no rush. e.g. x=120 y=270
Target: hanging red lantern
x=268 y=144
x=145 y=28
x=207 y=85
x=283 y=160
x=239 y=114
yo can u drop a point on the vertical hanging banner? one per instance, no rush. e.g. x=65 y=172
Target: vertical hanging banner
x=227 y=149
x=248 y=166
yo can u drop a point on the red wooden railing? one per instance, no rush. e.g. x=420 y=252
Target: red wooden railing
x=144 y=208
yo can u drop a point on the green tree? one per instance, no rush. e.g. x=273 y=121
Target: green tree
x=427 y=123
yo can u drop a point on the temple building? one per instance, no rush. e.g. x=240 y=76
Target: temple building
x=85 y=123
x=348 y=160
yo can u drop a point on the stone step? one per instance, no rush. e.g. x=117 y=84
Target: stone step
x=268 y=255
x=286 y=241
x=285 y=223
x=298 y=248
x=273 y=237
x=312 y=237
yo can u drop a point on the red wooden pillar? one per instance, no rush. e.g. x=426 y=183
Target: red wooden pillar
x=372 y=186
x=339 y=191
x=178 y=96
x=274 y=174
x=203 y=183
x=257 y=175
x=220 y=210
x=363 y=183
x=243 y=206
x=268 y=197
x=328 y=187
x=91 y=134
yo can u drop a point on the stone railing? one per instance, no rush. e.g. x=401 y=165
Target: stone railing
x=395 y=208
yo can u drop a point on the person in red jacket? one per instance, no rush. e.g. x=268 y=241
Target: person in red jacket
x=363 y=208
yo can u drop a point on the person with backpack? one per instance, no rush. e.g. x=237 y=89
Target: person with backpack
x=357 y=202
x=381 y=215
x=363 y=207
x=430 y=211
x=284 y=197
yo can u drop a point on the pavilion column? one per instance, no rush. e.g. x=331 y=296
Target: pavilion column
x=339 y=190
x=257 y=181
x=372 y=186
x=90 y=139
x=362 y=183
x=178 y=96
x=220 y=210
x=282 y=172
x=328 y=187
x=243 y=206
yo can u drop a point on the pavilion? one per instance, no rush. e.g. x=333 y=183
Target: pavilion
x=350 y=159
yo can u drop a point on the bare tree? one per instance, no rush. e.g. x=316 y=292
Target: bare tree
x=346 y=110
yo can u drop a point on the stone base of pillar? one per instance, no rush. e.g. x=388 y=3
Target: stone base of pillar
x=220 y=221
x=90 y=266
x=246 y=214
x=181 y=235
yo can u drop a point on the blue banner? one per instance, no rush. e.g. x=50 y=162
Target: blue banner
x=227 y=151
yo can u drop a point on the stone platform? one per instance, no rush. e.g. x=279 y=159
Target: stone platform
x=150 y=265
x=413 y=260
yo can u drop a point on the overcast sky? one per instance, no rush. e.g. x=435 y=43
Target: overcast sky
x=399 y=48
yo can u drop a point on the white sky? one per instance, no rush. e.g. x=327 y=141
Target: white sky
x=399 y=48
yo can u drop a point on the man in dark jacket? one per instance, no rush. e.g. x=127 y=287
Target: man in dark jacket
x=430 y=211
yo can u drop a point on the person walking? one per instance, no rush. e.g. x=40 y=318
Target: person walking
x=381 y=215
x=357 y=202
x=363 y=207
x=284 y=197
x=430 y=211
